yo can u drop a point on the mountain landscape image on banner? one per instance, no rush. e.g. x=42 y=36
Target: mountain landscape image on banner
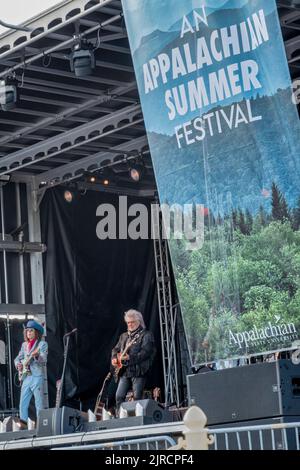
x=223 y=131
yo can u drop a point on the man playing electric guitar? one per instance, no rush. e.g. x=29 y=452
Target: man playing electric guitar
x=30 y=364
x=132 y=357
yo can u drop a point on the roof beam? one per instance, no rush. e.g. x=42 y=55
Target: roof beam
x=49 y=16
x=48 y=86
x=15 y=122
x=69 y=139
x=63 y=73
x=116 y=190
x=99 y=63
x=62 y=45
x=92 y=163
x=119 y=49
x=96 y=100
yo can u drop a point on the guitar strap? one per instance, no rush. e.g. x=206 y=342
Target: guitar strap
x=133 y=339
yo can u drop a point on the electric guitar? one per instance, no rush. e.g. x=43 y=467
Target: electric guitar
x=25 y=371
x=119 y=365
x=156 y=394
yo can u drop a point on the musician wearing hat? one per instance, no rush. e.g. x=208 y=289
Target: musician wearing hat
x=30 y=364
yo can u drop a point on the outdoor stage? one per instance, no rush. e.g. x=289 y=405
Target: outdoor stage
x=158 y=436
x=73 y=145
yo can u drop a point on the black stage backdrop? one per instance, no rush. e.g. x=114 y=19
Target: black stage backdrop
x=89 y=284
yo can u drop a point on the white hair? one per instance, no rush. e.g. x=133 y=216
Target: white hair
x=136 y=315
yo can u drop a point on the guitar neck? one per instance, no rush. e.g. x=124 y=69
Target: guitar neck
x=125 y=350
x=58 y=393
x=133 y=341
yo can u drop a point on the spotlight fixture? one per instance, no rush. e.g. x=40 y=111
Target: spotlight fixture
x=82 y=60
x=68 y=196
x=136 y=171
x=106 y=176
x=8 y=94
x=4 y=179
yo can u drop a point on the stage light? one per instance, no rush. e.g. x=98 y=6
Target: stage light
x=136 y=172
x=82 y=60
x=8 y=94
x=68 y=196
x=4 y=179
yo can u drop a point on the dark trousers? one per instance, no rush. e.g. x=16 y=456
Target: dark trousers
x=130 y=383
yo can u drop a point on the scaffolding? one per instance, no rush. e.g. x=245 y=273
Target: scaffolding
x=167 y=310
x=20 y=259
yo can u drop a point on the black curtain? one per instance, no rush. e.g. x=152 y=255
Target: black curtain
x=89 y=284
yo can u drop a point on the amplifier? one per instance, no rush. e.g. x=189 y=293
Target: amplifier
x=117 y=423
x=147 y=408
x=256 y=391
x=56 y=421
x=147 y=412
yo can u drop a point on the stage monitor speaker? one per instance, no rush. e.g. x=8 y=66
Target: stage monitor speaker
x=57 y=421
x=147 y=408
x=256 y=391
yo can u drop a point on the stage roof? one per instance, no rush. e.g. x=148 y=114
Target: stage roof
x=65 y=127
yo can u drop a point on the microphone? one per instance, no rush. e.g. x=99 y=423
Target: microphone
x=70 y=333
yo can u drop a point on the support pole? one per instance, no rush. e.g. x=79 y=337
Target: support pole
x=167 y=312
x=36 y=262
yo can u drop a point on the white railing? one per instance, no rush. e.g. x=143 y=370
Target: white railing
x=278 y=436
x=149 y=443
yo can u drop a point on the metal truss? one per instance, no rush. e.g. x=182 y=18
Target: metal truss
x=167 y=311
x=22 y=309
x=65 y=44
x=48 y=23
x=21 y=247
x=36 y=264
x=68 y=140
x=17 y=259
x=91 y=103
x=90 y=164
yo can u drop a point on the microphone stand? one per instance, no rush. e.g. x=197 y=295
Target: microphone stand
x=62 y=380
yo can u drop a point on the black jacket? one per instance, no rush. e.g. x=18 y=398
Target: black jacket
x=141 y=354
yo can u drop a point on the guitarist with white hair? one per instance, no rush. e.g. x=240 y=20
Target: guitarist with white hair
x=30 y=364
x=132 y=357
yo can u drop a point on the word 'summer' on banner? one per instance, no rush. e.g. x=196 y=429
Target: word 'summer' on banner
x=224 y=133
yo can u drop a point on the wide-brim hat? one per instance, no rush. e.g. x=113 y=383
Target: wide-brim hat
x=34 y=324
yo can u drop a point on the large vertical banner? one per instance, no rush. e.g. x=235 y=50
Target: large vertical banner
x=223 y=131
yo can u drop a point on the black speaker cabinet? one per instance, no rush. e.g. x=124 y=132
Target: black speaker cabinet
x=152 y=413
x=262 y=390
x=56 y=421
